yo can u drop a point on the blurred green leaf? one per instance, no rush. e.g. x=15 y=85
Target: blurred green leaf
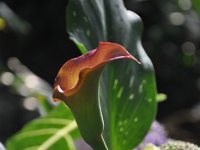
x=13 y=21
x=55 y=131
x=81 y=47
x=160 y=97
x=127 y=90
x=24 y=82
x=196 y=5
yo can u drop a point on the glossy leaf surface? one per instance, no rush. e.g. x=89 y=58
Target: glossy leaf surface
x=55 y=131
x=128 y=91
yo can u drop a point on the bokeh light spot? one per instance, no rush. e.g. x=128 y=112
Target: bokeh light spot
x=7 y=78
x=30 y=103
x=176 y=18
x=185 y=4
x=188 y=48
x=31 y=81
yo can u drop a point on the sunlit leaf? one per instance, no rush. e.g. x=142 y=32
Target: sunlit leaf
x=128 y=91
x=55 y=131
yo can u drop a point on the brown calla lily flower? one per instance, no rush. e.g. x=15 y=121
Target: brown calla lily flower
x=77 y=85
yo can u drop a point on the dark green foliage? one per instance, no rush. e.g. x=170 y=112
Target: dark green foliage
x=127 y=89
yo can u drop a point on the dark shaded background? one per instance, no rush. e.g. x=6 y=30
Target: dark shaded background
x=171 y=38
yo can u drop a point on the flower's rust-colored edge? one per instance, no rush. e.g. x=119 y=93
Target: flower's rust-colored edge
x=73 y=73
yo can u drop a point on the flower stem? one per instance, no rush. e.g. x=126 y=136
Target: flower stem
x=99 y=144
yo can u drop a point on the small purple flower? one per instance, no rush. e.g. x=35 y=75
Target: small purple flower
x=156 y=135
x=82 y=145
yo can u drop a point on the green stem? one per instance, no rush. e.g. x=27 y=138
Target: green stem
x=99 y=144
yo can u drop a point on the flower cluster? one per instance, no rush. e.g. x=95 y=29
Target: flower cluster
x=178 y=145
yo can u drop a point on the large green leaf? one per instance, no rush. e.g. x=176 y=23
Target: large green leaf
x=55 y=131
x=127 y=90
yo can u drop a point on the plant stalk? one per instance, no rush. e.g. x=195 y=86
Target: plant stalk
x=99 y=144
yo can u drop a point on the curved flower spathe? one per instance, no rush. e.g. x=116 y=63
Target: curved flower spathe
x=72 y=73
x=77 y=85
